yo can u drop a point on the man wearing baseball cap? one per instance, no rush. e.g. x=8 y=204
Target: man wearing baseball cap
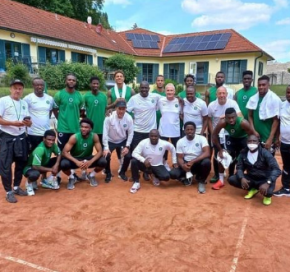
x=14 y=118
x=118 y=132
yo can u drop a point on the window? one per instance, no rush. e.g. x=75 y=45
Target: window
x=52 y=55
x=233 y=70
x=174 y=71
x=201 y=73
x=261 y=67
x=101 y=63
x=83 y=58
x=148 y=72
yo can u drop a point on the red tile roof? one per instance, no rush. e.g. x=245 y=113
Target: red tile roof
x=18 y=17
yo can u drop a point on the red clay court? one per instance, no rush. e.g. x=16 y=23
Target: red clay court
x=166 y=228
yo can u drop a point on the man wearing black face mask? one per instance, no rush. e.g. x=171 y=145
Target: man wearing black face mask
x=262 y=171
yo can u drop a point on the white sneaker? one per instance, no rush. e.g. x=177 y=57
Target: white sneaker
x=135 y=187
x=34 y=185
x=29 y=189
x=156 y=181
x=167 y=166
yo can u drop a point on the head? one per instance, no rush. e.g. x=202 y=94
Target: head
x=189 y=130
x=86 y=126
x=263 y=85
x=170 y=91
x=38 y=86
x=190 y=94
x=49 y=138
x=247 y=79
x=219 y=78
x=119 y=77
x=154 y=136
x=94 y=83
x=16 y=89
x=253 y=143
x=222 y=94
x=121 y=108
x=70 y=81
x=160 y=82
x=189 y=80
x=144 y=89
x=288 y=93
x=230 y=116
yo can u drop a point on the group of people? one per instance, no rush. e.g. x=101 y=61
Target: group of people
x=244 y=128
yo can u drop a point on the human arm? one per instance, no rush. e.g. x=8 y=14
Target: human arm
x=185 y=166
x=106 y=128
x=205 y=154
x=54 y=169
x=251 y=122
x=171 y=148
x=245 y=125
x=11 y=123
x=130 y=134
x=137 y=153
x=204 y=124
x=215 y=136
x=206 y=97
x=66 y=151
x=99 y=153
x=274 y=128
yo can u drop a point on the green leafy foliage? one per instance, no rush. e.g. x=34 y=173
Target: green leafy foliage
x=124 y=63
x=178 y=87
x=54 y=75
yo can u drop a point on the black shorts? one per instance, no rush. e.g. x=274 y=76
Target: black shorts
x=33 y=141
x=67 y=164
x=62 y=139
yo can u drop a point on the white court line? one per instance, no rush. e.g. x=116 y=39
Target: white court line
x=16 y=260
x=240 y=242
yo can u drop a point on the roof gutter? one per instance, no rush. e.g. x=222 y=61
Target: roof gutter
x=255 y=65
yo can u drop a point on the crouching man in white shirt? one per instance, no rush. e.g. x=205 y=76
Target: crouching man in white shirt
x=148 y=157
x=118 y=132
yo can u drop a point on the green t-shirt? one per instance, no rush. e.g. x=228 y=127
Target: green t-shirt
x=236 y=130
x=263 y=127
x=242 y=97
x=212 y=94
x=95 y=106
x=83 y=146
x=158 y=113
x=41 y=155
x=127 y=95
x=182 y=94
x=69 y=105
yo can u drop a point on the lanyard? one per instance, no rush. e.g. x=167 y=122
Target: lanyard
x=18 y=116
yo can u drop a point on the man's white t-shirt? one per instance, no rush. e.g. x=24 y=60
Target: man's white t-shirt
x=144 y=109
x=169 y=125
x=13 y=110
x=195 y=112
x=39 y=109
x=285 y=122
x=191 y=149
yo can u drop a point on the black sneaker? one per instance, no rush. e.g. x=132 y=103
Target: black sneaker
x=282 y=192
x=186 y=182
x=146 y=176
x=123 y=176
x=77 y=178
x=20 y=192
x=108 y=177
x=10 y=197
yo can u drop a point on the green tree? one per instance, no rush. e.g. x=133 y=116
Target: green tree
x=124 y=63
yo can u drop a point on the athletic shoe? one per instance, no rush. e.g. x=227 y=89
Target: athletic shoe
x=29 y=189
x=186 y=182
x=218 y=185
x=84 y=175
x=77 y=178
x=10 y=197
x=201 y=187
x=47 y=184
x=104 y=172
x=122 y=176
x=71 y=183
x=146 y=176
x=55 y=184
x=267 y=200
x=214 y=179
x=34 y=185
x=20 y=192
x=93 y=181
x=156 y=181
x=135 y=187
x=251 y=194
x=167 y=166
x=108 y=177
x=282 y=192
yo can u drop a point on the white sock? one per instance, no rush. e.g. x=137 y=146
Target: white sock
x=286 y=189
x=92 y=174
x=72 y=171
x=221 y=177
x=58 y=174
x=71 y=176
x=15 y=187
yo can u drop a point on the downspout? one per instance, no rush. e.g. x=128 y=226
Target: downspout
x=255 y=66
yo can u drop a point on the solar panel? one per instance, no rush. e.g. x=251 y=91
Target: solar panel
x=221 y=45
x=154 y=45
x=130 y=36
x=155 y=38
x=193 y=47
x=145 y=44
x=211 y=45
x=136 y=44
x=138 y=37
x=146 y=37
x=201 y=46
x=215 y=37
x=184 y=47
x=206 y=38
x=225 y=37
x=198 y=38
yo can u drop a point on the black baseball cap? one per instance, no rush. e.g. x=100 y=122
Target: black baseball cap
x=121 y=104
x=16 y=81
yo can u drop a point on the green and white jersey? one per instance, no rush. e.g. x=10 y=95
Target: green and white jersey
x=95 y=106
x=83 y=146
x=242 y=97
x=41 y=155
x=236 y=131
x=69 y=105
x=127 y=95
x=182 y=94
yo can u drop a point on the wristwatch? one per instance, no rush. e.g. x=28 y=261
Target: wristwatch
x=269 y=182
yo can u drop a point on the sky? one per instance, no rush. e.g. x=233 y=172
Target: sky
x=265 y=23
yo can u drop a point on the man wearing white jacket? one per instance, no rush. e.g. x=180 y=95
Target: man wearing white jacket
x=118 y=132
x=148 y=157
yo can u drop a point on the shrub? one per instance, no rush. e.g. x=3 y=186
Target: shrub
x=54 y=75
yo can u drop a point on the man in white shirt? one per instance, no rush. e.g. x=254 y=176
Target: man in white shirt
x=193 y=156
x=195 y=110
x=40 y=106
x=148 y=157
x=216 y=111
x=118 y=132
x=285 y=145
x=14 y=118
